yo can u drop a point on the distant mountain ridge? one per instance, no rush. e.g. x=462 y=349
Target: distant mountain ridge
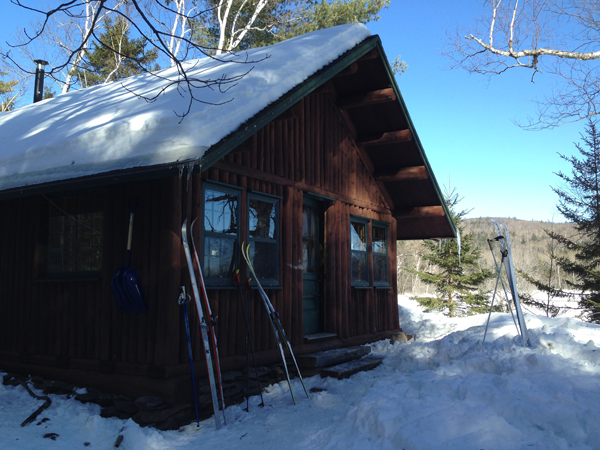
x=530 y=246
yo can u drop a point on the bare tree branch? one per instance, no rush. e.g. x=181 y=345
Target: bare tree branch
x=71 y=26
x=554 y=37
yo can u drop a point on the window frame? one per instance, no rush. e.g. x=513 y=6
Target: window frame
x=217 y=282
x=386 y=227
x=275 y=200
x=370 y=254
x=58 y=207
x=364 y=221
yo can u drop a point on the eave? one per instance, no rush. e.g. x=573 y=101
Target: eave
x=363 y=87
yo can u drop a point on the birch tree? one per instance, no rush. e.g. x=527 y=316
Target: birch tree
x=62 y=34
x=232 y=30
x=86 y=16
x=179 y=20
x=546 y=37
x=239 y=24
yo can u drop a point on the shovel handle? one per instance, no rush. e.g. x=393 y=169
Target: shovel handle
x=133 y=204
x=130 y=234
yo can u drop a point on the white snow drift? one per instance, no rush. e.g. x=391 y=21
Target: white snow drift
x=443 y=391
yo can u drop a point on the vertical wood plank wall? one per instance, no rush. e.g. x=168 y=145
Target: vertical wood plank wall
x=77 y=324
x=310 y=148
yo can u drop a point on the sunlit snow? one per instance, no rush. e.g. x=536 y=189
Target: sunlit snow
x=108 y=127
x=444 y=390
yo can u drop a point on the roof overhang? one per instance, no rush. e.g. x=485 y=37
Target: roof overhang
x=370 y=104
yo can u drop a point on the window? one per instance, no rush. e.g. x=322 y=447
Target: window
x=380 y=254
x=263 y=237
x=221 y=234
x=224 y=215
x=75 y=235
x=310 y=237
x=358 y=252
x=368 y=243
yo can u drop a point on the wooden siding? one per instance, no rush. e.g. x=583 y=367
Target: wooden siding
x=76 y=324
x=53 y=321
x=308 y=151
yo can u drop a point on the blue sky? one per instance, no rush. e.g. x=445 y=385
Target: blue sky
x=465 y=122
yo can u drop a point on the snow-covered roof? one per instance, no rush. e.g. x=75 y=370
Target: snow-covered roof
x=108 y=127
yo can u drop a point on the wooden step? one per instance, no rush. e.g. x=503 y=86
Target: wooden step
x=333 y=357
x=349 y=368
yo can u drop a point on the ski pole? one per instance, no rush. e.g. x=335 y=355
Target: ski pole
x=236 y=282
x=183 y=300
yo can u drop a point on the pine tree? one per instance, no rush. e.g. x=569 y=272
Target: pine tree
x=49 y=92
x=579 y=203
x=7 y=93
x=115 y=56
x=457 y=279
x=546 y=279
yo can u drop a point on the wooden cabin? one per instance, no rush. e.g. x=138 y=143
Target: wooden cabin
x=321 y=182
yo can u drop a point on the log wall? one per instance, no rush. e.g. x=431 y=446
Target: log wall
x=76 y=324
x=308 y=151
x=57 y=321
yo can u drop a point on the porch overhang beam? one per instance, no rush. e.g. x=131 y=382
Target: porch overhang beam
x=367 y=98
x=403 y=174
x=390 y=137
x=419 y=212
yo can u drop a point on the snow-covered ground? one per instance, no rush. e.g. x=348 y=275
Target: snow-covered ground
x=445 y=390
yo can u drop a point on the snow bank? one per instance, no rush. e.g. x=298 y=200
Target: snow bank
x=446 y=390
x=109 y=127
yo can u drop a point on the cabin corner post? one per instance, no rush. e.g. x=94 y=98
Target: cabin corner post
x=393 y=314
x=170 y=267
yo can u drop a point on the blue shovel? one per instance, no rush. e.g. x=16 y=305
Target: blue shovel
x=126 y=283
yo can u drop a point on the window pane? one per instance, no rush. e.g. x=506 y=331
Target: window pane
x=262 y=217
x=379 y=240
x=309 y=221
x=310 y=239
x=218 y=257
x=55 y=244
x=309 y=256
x=358 y=236
x=74 y=240
x=263 y=256
x=380 y=268
x=360 y=267
x=220 y=210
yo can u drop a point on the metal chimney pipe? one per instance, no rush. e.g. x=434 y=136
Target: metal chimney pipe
x=38 y=93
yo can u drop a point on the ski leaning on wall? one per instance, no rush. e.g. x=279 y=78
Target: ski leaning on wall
x=212 y=321
x=278 y=331
x=503 y=239
x=203 y=327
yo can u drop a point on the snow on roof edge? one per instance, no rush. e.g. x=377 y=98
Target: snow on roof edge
x=105 y=128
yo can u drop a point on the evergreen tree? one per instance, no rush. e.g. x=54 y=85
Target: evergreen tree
x=7 y=93
x=115 y=56
x=457 y=279
x=284 y=19
x=579 y=203
x=547 y=280
x=49 y=92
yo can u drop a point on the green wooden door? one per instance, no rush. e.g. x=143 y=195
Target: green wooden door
x=311 y=261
